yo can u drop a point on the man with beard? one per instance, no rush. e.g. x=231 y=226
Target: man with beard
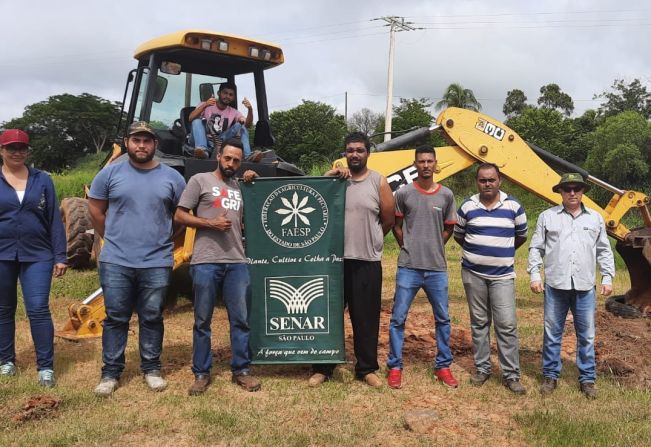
x=219 y=118
x=491 y=226
x=425 y=217
x=132 y=205
x=369 y=216
x=218 y=261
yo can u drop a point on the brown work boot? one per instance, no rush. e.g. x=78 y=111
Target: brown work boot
x=373 y=380
x=589 y=390
x=200 y=385
x=200 y=153
x=246 y=381
x=514 y=386
x=317 y=379
x=255 y=156
x=548 y=386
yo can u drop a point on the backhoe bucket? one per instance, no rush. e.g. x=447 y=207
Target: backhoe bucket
x=636 y=253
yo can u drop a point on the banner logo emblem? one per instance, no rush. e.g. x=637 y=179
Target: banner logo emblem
x=294 y=216
x=297 y=305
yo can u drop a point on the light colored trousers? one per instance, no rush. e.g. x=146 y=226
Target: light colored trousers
x=493 y=300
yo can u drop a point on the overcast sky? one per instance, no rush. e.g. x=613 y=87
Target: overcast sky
x=333 y=46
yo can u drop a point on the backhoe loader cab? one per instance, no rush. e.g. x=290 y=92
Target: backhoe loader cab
x=177 y=71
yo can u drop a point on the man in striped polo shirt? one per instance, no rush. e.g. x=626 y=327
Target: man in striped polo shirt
x=490 y=226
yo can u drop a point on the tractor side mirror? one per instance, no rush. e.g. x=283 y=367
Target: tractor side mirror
x=159 y=89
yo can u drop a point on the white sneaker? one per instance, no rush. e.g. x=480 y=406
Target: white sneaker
x=154 y=381
x=7 y=369
x=106 y=386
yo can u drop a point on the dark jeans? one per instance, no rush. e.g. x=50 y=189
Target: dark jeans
x=35 y=279
x=126 y=289
x=206 y=280
x=362 y=294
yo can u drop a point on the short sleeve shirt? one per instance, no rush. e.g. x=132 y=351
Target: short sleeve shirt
x=220 y=119
x=141 y=205
x=210 y=197
x=424 y=216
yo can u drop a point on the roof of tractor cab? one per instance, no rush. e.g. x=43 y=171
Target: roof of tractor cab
x=210 y=53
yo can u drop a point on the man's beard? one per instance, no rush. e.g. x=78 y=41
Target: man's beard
x=135 y=159
x=226 y=173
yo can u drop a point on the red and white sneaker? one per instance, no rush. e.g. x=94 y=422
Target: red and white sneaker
x=394 y=378
x=445 y=376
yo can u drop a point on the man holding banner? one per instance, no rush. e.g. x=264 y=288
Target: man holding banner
x=369 y=215
x=218 y=260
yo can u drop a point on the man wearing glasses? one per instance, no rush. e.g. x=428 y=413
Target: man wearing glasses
x=569 y=239
x=491 y=226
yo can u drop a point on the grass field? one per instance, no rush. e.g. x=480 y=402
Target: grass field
x=343 y=412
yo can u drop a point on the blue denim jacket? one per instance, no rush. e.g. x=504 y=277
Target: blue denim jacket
x=31 y=231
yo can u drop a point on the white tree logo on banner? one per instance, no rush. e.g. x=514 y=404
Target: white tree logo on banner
x=296 y=300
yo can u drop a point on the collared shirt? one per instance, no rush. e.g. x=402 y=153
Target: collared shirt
x=569 y=247
x=31 y=230
x=489 y=235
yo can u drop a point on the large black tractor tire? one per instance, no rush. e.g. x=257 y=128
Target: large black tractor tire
x=616 y=306
x=77 y=223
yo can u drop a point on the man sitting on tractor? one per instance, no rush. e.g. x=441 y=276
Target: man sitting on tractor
x=215 y=119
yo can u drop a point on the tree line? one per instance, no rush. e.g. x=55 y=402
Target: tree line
x=612 y=142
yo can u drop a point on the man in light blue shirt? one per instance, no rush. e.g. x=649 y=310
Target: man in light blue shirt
x=568 y=240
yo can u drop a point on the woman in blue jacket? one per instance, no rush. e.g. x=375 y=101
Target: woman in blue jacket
x=32 y=249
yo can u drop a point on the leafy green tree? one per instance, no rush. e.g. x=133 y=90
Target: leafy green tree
x=411 y=113
x=308 y=133
x=64 y=127
x=625 y=97
x=551 y=97
x=621 y=150
x=515 y=103
x=458 y=96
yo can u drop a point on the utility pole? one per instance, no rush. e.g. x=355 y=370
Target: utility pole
x=395 y=24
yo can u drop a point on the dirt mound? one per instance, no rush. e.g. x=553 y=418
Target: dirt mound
x=37 y=407
x=622 y=349
x=420 y=341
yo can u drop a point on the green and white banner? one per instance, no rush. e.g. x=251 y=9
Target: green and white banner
x=294 y=243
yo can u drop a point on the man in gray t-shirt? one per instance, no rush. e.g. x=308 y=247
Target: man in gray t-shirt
x=218 y=261
x=131 y=204
x=425 y=218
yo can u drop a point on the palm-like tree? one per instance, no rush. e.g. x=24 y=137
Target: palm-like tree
x=457 y=96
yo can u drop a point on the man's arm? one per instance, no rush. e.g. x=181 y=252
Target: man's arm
x=536 y=254
x=448 y=229
x=519 y=240
x=182 y=216
x=387 y=206
x=397 y=230
x=605 y=260
x=196 y=113
x=97 y=210
x=249 y=114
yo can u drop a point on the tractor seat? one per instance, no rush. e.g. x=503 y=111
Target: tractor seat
x=185 y=118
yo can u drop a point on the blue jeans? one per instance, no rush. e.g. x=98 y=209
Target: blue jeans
x=557 y=303
x=435 y=285
x=35 y=279
x=126 y=289
x=206 y=280
x=199 y=137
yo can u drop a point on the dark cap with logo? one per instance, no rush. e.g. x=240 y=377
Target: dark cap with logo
x=141 y=127
x=571 y=178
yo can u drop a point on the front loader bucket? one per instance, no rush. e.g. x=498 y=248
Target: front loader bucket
x=636 y=253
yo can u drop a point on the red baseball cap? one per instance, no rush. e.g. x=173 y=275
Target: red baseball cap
x=10 y=136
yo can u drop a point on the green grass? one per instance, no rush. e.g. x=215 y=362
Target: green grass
x=71 y=182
